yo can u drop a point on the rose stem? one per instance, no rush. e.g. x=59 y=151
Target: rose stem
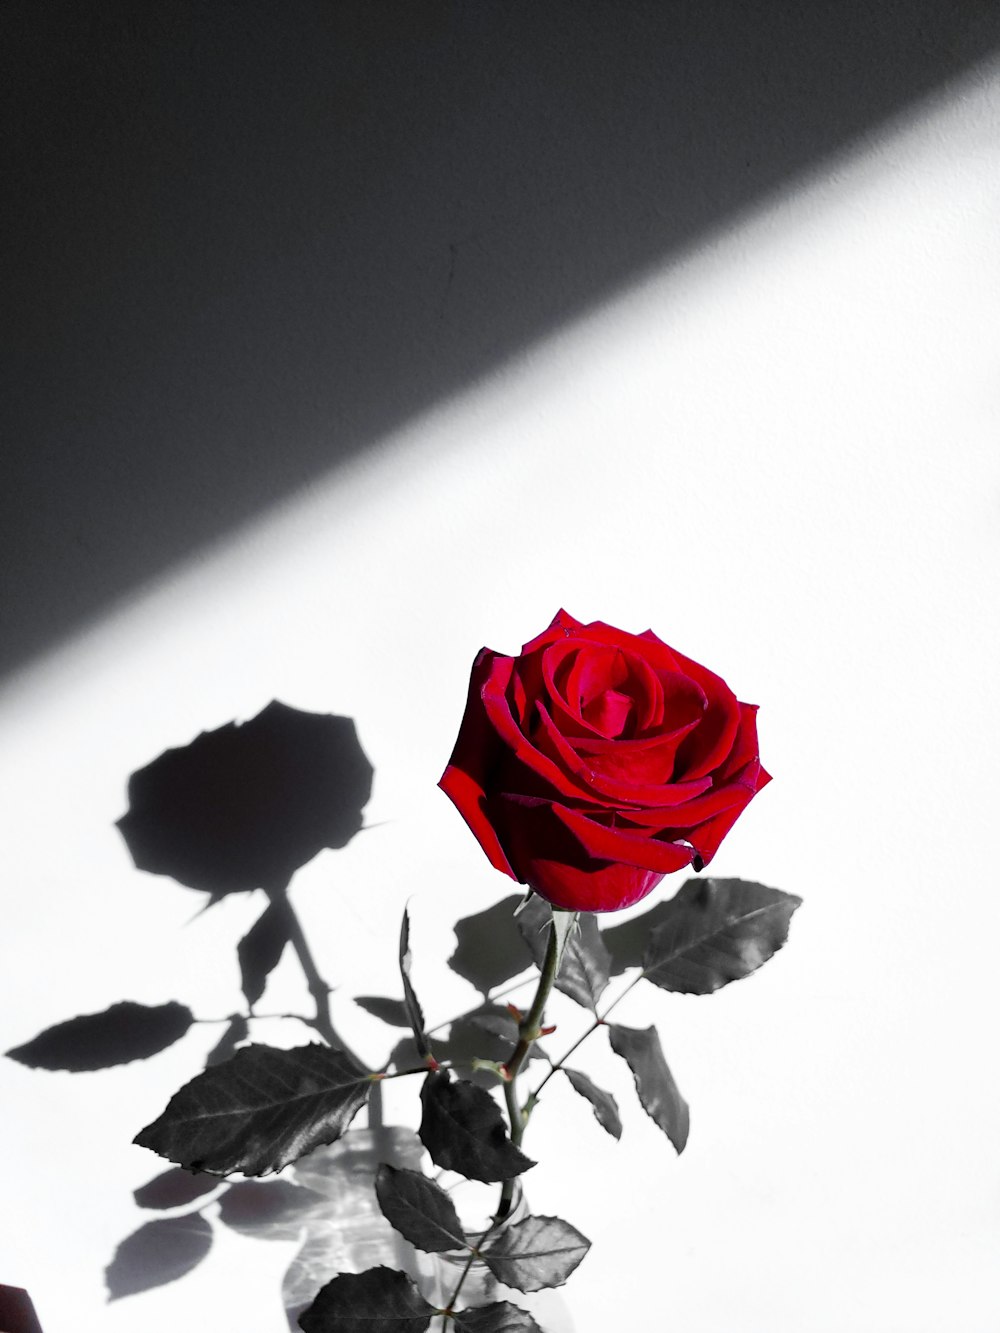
x=475 y=1252
x=527 y=1033
x=558 y=1064
x=320 y=991
x=461 y=1283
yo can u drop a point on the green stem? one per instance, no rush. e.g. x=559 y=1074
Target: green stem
x=475 y=1252
x=461 y=1283
x=383 y=1074
x=558 y=1064
x=528 y=1033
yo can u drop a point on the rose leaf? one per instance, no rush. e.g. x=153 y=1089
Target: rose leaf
x=413 y=1010
x=418 y=1208
x=260 y=1110
x=159 y=1252
x=605 y=1106
x=627 y=941
x=533 y=918
x=640 y=1048
x=585 y=966
x=389 y=1011
x=717 y=931
x=536 y=1253
x=501 y=1317
x=379 y=1301
x=462 y=1129
x=126 y=1031
x=259 y=951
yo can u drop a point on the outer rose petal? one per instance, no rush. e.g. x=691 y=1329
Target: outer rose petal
x=745 y=745
x=654 y=651
x=678 y=818
x=469 y=800
x=621 y=844
x=713 y=740
x=562 y=625
x=549 y=856
x=477 y=752
x=707 y=836
x=603 y=887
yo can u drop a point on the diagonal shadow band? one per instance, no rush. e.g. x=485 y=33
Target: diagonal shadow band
x=237 y=224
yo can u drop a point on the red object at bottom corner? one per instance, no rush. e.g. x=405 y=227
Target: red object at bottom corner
x=17 y=1314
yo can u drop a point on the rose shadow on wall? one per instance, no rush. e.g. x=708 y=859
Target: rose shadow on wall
x=240 y=809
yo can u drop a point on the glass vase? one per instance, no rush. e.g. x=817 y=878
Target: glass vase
x=348 y=1233
x=475 y=1204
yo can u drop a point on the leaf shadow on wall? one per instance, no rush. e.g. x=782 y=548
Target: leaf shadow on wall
x=238 y=810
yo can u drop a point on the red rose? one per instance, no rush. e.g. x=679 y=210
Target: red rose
x=598 y=761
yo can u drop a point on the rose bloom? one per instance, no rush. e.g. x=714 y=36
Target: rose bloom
x=598 y=761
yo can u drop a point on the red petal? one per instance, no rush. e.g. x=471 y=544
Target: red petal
x=475 y=756
x=745 y=743
x=650 y=760
x=598 y=788
x=679 y=818
x=710 y=745
x=562 y=625
x=511 y=738
x=645 y=646
x=707 y=837
x=610 y=712
x=604 y=843
x=549 y=857
x=597 y=888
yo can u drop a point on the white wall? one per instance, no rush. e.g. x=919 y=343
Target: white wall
x=780 y=453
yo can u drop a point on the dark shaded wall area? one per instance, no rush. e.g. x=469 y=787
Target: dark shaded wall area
x=244 y=239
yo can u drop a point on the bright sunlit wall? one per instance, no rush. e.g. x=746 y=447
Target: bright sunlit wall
x=780 y=454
